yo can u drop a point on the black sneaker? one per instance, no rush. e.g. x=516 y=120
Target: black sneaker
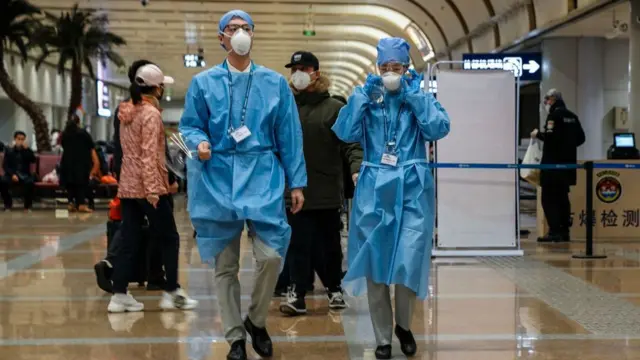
x=294 y=304
x=280 y=293
x=336 y=300
x=103 y=270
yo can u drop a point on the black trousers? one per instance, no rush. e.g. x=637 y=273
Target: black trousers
x=149 y=269
x=163 y=232
x=77 y=193
x=557 y=208
x=28 y=188
x=315 y=245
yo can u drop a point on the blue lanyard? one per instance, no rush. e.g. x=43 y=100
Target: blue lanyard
x=246 y=98
x=390 y=138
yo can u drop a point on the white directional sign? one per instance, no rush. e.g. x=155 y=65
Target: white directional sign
x=526 y=66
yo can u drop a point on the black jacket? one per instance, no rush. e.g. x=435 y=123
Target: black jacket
x=562 y=135
x=324 y=153
x=77 y=159
x=17 y=161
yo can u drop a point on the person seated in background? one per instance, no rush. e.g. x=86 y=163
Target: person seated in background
x=56 y=140
x=17 y=171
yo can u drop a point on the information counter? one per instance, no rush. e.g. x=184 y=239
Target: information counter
x=616 y=204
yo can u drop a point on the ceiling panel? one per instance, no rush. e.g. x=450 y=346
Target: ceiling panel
x=599 y=25
x=165 y=30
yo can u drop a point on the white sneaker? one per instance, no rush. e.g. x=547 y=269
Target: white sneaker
x=336 y=301
x=177 y=300
x=124 y=302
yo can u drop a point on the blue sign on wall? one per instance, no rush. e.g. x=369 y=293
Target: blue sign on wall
x=526 y=66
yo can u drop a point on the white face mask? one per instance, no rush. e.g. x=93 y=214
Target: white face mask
x=391 y=81
x=546 y=108
x=301 y=80
x=240 y=42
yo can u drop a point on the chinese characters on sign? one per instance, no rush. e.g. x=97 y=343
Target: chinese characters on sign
x=526 y=66
x=610 y=218
x=483 y=64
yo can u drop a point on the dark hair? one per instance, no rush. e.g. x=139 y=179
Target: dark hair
x=340 y=98
x=73 y=124
x=133 y=69
x=18 y=133
x=136 y=90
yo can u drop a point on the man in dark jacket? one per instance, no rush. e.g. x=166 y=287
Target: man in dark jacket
x=562 y=136
x=17 y=171
x=315 y=238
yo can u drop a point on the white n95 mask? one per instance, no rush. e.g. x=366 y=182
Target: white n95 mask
x=301 y=80
x=241 y=42
x=391 y=81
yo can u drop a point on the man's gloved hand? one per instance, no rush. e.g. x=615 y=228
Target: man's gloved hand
x=372 y=84
x=413 y=80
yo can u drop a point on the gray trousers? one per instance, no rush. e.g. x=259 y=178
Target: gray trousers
x=228 y=285
x=379 y=297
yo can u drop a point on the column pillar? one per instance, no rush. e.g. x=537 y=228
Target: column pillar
x=634 y=65
x=559 y=70
x=590 y=97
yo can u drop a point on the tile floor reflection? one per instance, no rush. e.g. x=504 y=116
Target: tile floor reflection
x=50 y=307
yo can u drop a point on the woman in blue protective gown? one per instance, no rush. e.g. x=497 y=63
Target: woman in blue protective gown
x=390 y=236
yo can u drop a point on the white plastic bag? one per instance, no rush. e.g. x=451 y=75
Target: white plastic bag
x=533 y=156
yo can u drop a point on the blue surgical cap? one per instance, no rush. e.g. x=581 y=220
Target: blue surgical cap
x=393 y=50
x=226 y=19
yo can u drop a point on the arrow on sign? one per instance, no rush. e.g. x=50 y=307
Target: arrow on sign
x=532 y=66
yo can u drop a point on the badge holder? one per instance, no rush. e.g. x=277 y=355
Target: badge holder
x=389 y=157
x=240 y=134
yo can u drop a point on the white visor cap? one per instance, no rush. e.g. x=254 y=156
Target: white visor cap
x=151 y=75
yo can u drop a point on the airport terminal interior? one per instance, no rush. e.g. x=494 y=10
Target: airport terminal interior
x=495 y=291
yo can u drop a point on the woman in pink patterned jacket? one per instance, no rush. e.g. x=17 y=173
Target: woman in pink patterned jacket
x=144 y=191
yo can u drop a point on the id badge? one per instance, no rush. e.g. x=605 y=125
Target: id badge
x=389 y=159
x=240 y=134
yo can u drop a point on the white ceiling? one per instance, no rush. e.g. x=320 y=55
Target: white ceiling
x=347 y=30
x=165 y=30
x=598 y=25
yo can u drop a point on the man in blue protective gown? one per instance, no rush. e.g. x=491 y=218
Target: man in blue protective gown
x=390 y=235
x=243 y=120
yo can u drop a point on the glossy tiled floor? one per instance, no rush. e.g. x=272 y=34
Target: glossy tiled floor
x=543 y=306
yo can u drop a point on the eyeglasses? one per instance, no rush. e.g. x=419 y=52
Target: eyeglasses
x=231 y=29
x=397 y=68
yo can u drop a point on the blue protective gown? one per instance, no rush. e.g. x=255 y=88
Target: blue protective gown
x=242 y=181
x=391 y=229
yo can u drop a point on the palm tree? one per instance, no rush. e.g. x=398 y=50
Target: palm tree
x=78 y=37
x=16 y=27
